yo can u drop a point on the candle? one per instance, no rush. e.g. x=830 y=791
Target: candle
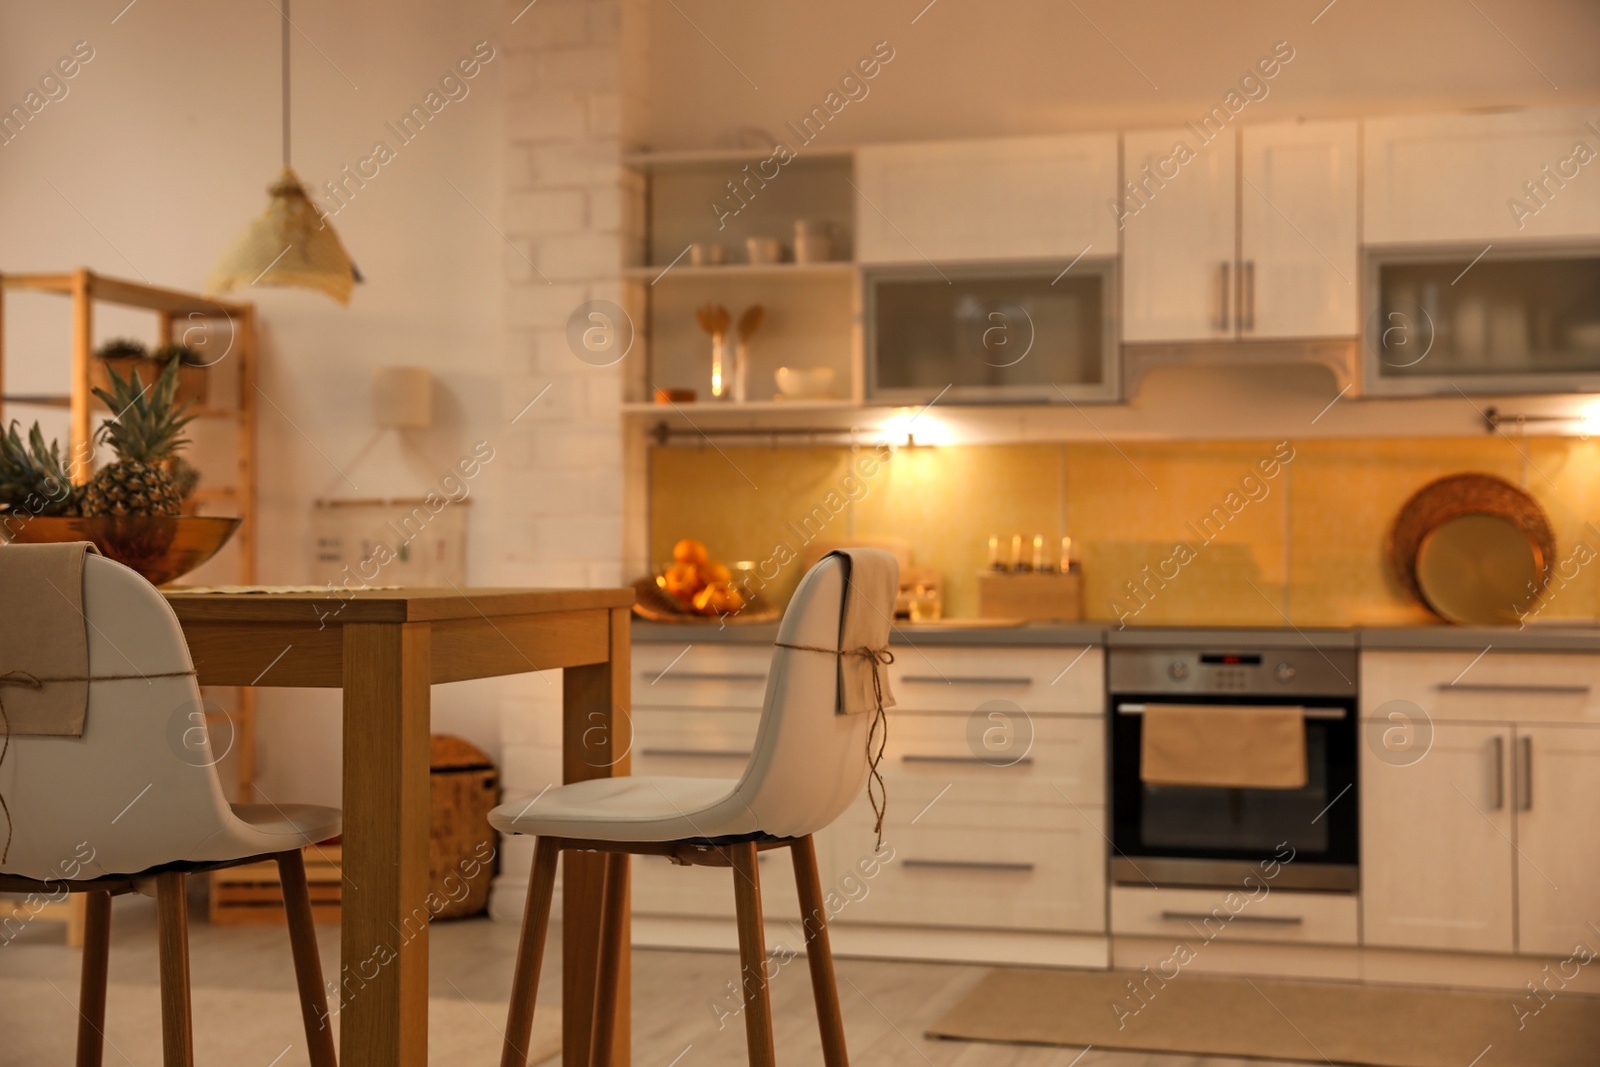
x=1066 y=554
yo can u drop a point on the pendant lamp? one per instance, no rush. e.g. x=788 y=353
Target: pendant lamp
x=290 y=244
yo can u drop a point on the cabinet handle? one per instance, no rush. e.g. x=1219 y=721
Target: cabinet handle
x=693 y=753
x=1225 y=302
x=928 y=679
x=1497 y=755
x=1492 y=687
x=1525 y=774
x=1247 y=295
x=969 y=865
x=1329 y=714
x=1025 y=761
x=693 y=676
x=1264 y=920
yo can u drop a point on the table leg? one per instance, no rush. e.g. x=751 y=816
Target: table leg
x=383 y=979
x=597 y=738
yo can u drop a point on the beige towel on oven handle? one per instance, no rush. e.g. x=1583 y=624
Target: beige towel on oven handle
x=1224 y=746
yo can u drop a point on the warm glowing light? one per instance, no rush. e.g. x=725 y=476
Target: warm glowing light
x=916 y=426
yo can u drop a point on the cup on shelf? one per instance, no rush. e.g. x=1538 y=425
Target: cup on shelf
x=804 y=383
x=707 y=255
x=763 y=251
x=811 y=243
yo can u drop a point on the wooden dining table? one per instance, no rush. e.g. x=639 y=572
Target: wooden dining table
x=385 y=649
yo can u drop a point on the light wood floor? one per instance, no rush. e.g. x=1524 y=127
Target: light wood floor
x=886 y=1005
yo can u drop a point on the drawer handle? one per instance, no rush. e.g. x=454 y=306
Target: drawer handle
x=924 y=679
x=1262 y=920
x=969 y=865
x=974 y=760
x=1491 y=687
x=693 y=753
x=1305 y=713
x=693 y=676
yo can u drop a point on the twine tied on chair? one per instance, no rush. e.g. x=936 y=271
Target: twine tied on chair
x=24 y=680
x=879 y=730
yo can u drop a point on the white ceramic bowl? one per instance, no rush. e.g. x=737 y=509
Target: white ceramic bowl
x=804 y=383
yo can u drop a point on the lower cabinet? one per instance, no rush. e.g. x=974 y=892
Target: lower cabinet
x=995 y=772
x=1488 y=839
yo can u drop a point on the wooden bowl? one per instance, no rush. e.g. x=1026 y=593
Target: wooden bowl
x=159 y=547
x=1456 y=495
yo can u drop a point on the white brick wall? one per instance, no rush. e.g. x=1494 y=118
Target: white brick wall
x=567 y=204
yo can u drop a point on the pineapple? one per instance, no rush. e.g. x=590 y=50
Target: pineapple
x=145 y=432
x=33 y=477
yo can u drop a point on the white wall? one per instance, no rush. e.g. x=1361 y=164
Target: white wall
x=156 y=159
x=1027 y=66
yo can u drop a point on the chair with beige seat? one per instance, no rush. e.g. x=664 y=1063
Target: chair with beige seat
x=126 y=796
x=824 y=700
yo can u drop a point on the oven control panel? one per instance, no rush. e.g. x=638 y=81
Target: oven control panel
x=1297 y=672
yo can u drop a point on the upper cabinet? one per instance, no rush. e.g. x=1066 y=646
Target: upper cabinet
x=1179 y=236
x=1044 y=198
x=1249 y=235
x=1298 y=234
x=1455 y=178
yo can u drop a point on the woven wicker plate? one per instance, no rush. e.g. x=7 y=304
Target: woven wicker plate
x=1451 y=497
x=653 y=605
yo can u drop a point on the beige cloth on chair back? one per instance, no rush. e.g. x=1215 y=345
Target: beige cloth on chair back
x=38 y=644
x=871 y=578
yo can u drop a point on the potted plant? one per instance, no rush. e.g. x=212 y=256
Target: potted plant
x=129 y=358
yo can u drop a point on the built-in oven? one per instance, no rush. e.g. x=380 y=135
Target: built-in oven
x=1195 y=835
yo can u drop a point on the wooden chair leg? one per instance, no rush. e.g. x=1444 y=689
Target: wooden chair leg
x=752 y=954
x=92 y=982
x=530 y=953
x=307 y=958
x=172 y=926
x=608 y=972
x=819 y=954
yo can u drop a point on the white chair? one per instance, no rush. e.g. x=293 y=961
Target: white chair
x=808 y=766
x=136 y=801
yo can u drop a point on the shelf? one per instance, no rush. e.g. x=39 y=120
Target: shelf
x=730 y=407
x=683 y=271
x=694 y=157
x=62 y=400
x=126 y=293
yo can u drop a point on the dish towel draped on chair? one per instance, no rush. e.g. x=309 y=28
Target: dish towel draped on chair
x=871 y=585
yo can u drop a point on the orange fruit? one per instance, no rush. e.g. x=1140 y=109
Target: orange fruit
x=712 y=571
x=689 y=551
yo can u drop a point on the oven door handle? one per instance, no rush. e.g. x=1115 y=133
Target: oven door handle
x=1264 y=920
x=1332 y=714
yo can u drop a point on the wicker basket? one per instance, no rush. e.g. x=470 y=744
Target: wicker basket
x=192 y=381
x=461 y=844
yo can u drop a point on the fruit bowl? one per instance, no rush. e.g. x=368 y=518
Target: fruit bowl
x=160 y=547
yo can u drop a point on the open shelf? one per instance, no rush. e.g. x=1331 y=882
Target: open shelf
x=682 y=271
x=699 y=157
x=730 y=407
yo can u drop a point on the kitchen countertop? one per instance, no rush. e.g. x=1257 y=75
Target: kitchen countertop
x=1441 y=638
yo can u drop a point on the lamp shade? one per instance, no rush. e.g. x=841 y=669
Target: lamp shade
x=288 y=245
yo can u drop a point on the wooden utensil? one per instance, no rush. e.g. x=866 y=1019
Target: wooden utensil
x=749 y=322
x=714 y=320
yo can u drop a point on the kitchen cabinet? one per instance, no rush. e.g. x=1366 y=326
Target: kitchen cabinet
x=1298 y=234
x=1487 y=842
x=1252 y=235
x=1436 y=854
x=1007 y=198
x=1454 y=178
x=1179 y=236
x=1558 y=837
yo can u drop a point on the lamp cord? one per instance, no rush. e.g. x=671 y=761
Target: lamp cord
x=285 y=84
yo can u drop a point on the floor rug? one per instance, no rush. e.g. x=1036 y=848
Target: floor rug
x=1266 y=1018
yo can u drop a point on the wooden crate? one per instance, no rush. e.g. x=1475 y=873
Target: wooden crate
x=253 y=894
x=465 y=787
x=1046 y=597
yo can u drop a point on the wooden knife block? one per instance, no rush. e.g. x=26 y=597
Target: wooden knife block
x=1047 y=597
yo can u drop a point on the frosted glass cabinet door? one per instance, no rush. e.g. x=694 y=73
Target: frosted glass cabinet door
x=1459 y=177
x=1011 y=198
x=1299 y=269
x=1178 y=236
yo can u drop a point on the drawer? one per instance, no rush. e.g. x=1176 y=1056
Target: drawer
x=1551 y=687
x=703 y=743
x=1020 y=867
x=992 y=757
x=1259 y=913
x=1039 y=680
x=662 y=888
x=700 y=675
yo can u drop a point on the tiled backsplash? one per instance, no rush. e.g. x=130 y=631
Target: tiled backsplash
x=1215 y=533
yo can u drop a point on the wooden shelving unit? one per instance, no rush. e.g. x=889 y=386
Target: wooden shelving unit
x=173 y=309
